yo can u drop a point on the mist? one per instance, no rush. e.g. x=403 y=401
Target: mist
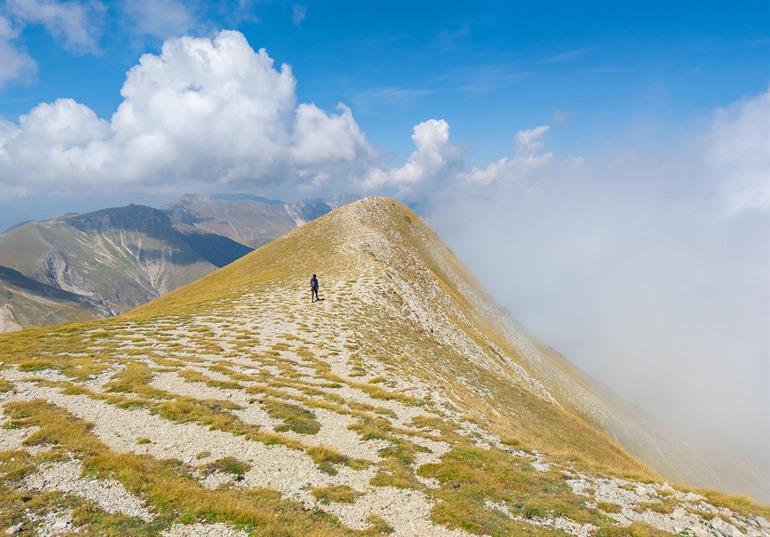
x=650 y=272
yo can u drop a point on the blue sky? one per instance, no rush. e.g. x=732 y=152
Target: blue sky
x=488 y=68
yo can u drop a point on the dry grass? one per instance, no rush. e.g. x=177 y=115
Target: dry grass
x=336 y=494
x=195 y=376
x=294 y=418
x=229 y=465
x=470 y=476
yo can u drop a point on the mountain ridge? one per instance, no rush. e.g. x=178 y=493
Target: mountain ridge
x=393 y=405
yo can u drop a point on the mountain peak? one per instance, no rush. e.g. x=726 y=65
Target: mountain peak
x=130 y=217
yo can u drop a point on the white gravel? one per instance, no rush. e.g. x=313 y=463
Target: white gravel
x=108 y=494
x=203 y=530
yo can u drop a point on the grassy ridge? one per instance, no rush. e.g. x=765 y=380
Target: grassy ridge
x=477 y=487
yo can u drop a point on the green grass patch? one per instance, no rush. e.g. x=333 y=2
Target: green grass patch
x=327 y=468
x=229 y=465
x=294 y=417
x=336 y=494
x=324 y=455
x=608 y=507
x=194 y=376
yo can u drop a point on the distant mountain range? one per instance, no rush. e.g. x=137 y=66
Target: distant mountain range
x=249 y=220
x=111 y=260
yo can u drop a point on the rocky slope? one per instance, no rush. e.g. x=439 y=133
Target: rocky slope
x=250 y=220
x=399 y=404
x=123 y=256
x=27 y=302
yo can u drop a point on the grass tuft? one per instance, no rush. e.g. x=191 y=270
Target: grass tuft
x=336 y=494
x=294 y=417
x=229 y=465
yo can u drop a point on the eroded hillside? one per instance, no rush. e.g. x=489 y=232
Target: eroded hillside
x=396 y=405
x=27 y=302
x=122 y=256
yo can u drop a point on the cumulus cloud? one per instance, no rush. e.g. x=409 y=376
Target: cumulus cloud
x=528 y=155
x=434 y=158
x=323 y=143
x=159 y=18
x=437 y=163
x=214 y=111
x=203 y=110
x=76 y=25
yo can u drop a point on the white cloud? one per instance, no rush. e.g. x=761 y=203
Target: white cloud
x=77 y=25
x=7 y=31
x=14 y=63
x=530 y=141
x=321 y=138
x=527 y=156
x=738 y=149
x=298 y=13
x=434 y=158
x=159 y=18
x=437 y=160
x=203 y=110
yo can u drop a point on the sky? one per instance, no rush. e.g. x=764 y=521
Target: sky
x=603 y=167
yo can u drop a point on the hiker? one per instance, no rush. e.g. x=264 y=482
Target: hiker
x=313 y=288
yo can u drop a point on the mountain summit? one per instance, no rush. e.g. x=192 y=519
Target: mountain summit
x=405 y=402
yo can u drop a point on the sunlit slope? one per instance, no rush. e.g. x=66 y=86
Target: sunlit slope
x=394 y=406
x=416 y=310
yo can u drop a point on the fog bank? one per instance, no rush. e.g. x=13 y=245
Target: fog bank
x=650 y=272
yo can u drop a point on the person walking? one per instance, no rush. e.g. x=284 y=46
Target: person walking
x=313 y=288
